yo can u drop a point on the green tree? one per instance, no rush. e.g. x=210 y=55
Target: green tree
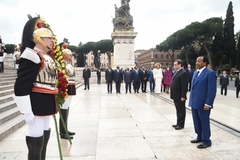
x=229 y=41
x=102 y=46
x=238 y=50
x=217 y=50
x=10 y=48
x=170 y=45
x=206 y=32
x=82 y=51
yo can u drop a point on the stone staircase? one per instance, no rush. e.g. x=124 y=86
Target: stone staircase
x=10 y=117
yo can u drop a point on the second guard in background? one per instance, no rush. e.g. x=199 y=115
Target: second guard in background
x=70 y=72
x=2 y=55
x=16 y=55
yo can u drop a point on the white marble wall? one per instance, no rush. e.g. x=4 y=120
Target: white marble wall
x=123 y=42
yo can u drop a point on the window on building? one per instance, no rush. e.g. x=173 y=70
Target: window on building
x=167 y=56
x=156 y=56
x=161 y=56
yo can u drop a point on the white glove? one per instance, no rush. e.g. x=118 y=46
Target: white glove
x=29 y=118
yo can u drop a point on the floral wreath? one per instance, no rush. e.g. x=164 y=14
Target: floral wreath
x=62 y=82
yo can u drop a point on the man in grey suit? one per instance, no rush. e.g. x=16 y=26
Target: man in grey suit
x=86 y=76
x=203 y=92
x=178 y=92
x=224 y=82
x=109 y=78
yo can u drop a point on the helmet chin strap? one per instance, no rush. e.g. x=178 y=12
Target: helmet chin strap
x=44 y=44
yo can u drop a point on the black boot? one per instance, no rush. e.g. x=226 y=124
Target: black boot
x=70 y=133
x=35 y=146
x=63 y=134
x=45 y=142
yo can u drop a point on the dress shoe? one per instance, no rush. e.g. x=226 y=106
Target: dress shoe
x=84 y=89
x=201 y=146
x=174 y=125
x=195 y=141
x=178 y=128
x=64 y=136
x=71 y=133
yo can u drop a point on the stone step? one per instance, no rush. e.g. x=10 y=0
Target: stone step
x=8 y=75
x=12 y=78
x=7 y=105
x=6 y=92
x=6 y=98
x=6 y=87
x=8 y=115
x=11 y=126
x=3 y=83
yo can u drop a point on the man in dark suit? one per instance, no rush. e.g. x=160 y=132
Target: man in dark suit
x=203 y=92
x=190 y=75
x=237 y=84
x=118 y=77
x=144 y=79
x=99 y=76
x=151 y=80
x=109 y=79
x=86 y=76
x=178 y=92
x=128 y=80
x=224 y=82
x=136 y=79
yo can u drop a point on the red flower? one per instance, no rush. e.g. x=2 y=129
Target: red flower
x=40 y=25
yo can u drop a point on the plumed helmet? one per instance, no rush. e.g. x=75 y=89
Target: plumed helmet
x=33 y=31
x=40 y=33
x=67 y=51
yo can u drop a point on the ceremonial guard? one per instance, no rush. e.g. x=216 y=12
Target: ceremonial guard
x=16 y=55
x=70 y=72
x=2 y=55
x=35 y=87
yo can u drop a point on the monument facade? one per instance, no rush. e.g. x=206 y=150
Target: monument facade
x=123 y=36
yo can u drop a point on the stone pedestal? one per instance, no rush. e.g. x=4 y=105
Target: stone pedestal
x=123 y=42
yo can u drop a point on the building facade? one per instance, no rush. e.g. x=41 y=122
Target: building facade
x=149 y=57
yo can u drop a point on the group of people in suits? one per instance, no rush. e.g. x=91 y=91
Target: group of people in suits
x=203 y=89
x=136 y=78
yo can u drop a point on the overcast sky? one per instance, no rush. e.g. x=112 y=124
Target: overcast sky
x=91 y=20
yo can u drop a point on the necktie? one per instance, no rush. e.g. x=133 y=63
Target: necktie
x=174 y=74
